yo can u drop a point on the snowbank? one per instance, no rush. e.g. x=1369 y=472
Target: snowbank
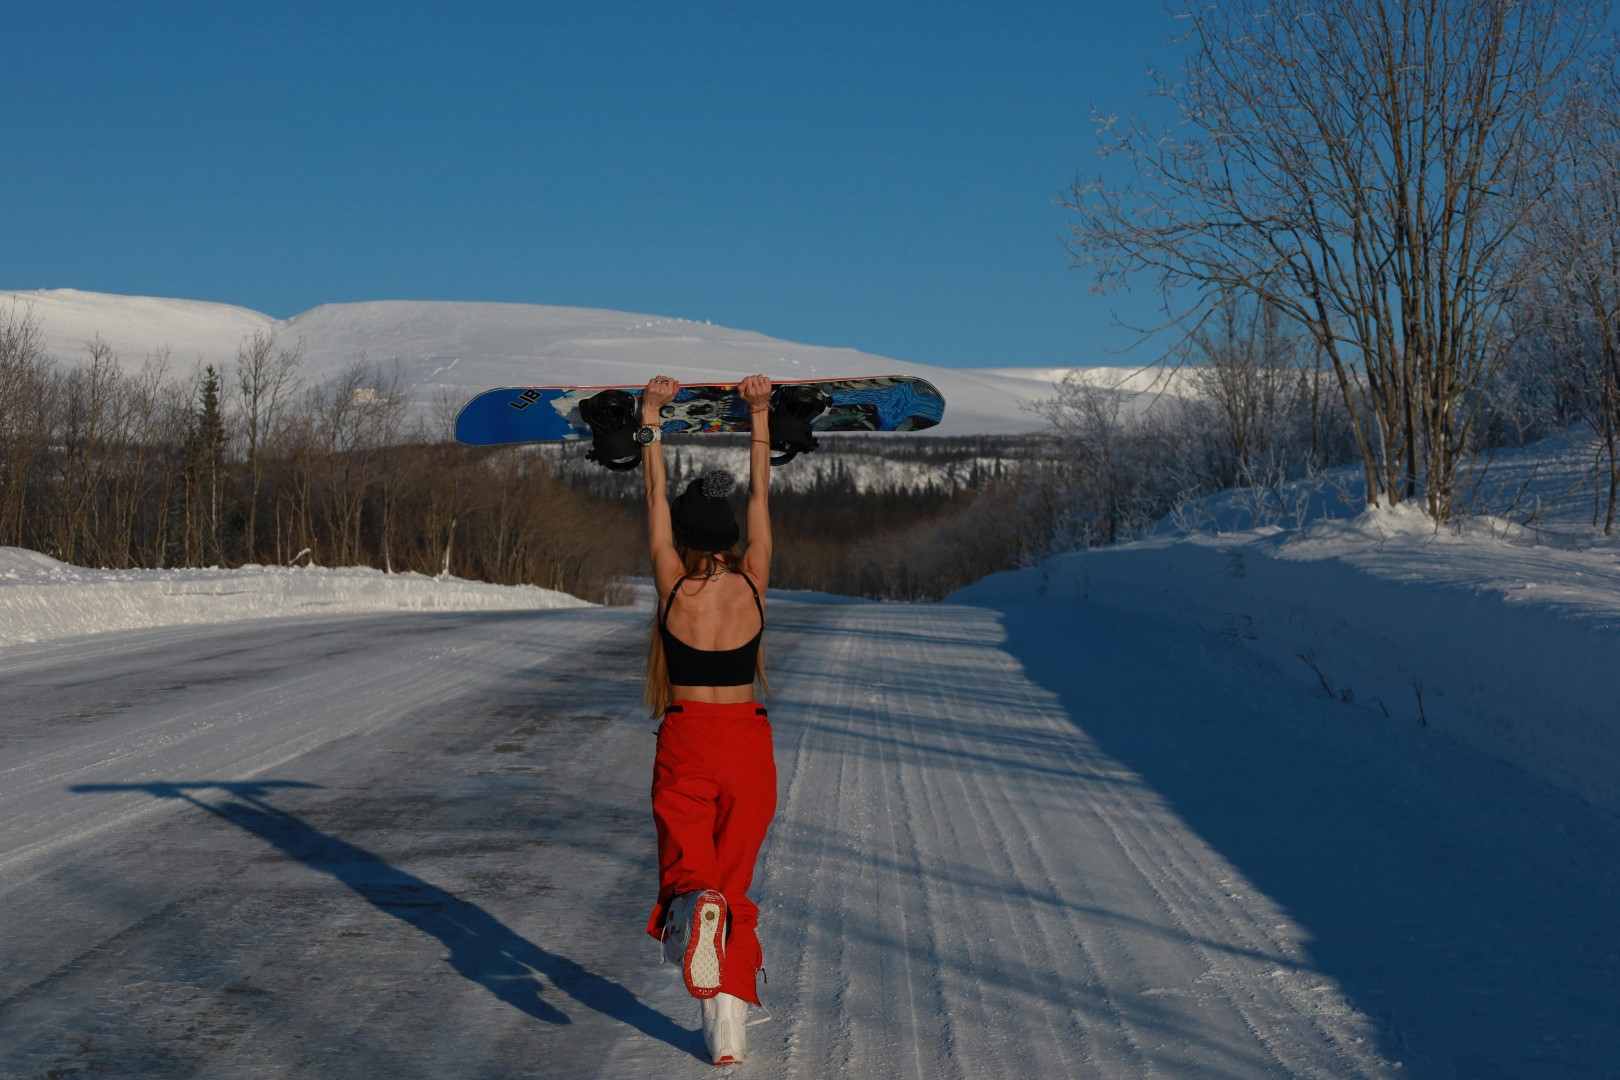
x=42 y=599
x=1508 y=647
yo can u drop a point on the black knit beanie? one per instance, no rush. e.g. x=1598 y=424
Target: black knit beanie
x=702 y=516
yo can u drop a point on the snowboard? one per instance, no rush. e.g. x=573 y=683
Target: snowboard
x=517 y=414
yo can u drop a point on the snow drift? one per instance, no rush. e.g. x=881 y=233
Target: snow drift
x=42 y=599
x=1510 y=649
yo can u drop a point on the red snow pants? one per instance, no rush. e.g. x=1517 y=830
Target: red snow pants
x=713 y=797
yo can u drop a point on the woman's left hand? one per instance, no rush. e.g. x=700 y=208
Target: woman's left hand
x=661 y=390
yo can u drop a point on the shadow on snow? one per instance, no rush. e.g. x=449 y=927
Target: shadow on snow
x=1464 y=907
x=481 y=948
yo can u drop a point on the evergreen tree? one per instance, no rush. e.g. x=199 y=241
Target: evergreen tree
x=205 y=466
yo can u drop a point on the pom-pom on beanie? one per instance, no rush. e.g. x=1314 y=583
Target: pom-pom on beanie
x=702 y=516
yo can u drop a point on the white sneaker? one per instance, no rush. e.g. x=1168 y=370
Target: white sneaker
x=694 y=938
x=725 y=1029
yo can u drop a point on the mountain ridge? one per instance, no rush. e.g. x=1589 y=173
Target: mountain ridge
x=458 y=348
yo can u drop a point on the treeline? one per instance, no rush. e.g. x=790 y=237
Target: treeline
x=243 y=463
x=225 y=468
x=1255 y=408
x=905 y=546
x=844 y=462
x=883 y=517
x=1259 y=406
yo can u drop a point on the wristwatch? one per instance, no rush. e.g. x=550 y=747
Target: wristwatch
x=646 y=435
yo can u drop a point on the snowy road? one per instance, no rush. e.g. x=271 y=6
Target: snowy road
x=1011 y=844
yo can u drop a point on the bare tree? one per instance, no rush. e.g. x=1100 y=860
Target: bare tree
x=1578 y=303
x=357 y=414
x=1096 y=441
x=266 y=382
x=139 y=476
x=1367 y=167
x=88 y=424
x=168 y=428
x=1250 y=372
x=25 y=389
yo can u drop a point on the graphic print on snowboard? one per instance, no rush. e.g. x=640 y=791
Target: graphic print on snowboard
x=517 y=414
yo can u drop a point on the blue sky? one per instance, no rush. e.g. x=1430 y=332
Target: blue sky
x=879 y=176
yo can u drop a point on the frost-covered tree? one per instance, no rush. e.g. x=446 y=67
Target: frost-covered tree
x=1575 y=306
x=1368 y=169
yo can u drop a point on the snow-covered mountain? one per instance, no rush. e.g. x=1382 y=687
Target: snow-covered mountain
x=460 y=348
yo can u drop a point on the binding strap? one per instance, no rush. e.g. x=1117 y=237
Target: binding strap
x=612 y=417
x=793 y=408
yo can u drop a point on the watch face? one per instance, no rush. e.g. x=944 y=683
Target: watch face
x=645 y=435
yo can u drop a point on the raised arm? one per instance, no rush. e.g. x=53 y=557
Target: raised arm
x=666 y=562
x=756 y=391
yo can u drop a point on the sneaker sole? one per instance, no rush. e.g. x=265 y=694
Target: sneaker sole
x=702 y=963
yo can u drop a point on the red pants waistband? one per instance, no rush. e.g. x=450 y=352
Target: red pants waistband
x=725 y=710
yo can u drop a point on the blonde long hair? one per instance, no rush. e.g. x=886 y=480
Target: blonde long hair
x=657 y=692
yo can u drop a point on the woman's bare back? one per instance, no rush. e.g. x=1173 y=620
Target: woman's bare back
x=717 y=613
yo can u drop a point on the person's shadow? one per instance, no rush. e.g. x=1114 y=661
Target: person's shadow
x=481 y=947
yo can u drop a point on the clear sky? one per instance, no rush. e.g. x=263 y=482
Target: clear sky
x=876 y=175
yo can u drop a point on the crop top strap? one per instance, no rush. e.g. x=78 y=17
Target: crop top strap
x=755 y=591
x=669 y=603
x=664 y=618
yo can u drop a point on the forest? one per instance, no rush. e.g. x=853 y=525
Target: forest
x=241 y=463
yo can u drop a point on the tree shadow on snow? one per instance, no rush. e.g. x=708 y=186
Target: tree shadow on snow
x=481 y=948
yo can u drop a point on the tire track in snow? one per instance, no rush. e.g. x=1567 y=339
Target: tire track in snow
x=911 y=1001
x=408 y=900
x=1248 y=948
x=960 y=883
x=1005 y=842
x=1096 y=1031
x=167 y=726
x=994 y=1041
x=822 y=971
x=1221 y=922
x=972 y=888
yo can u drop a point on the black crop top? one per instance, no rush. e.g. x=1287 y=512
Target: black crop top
x=710 y=667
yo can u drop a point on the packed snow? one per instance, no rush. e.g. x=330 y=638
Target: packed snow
x=42 y=599
x=1508 y=649
x=1332 y=799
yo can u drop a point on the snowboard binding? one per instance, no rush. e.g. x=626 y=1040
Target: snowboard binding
x=793 y=408
x=613 y=416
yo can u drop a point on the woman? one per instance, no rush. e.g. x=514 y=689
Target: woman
x=714 y=777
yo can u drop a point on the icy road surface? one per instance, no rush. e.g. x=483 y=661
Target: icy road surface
x=1011 y=844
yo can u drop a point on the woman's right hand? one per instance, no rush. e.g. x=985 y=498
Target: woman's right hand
x=661 y=390
x=756 y=391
